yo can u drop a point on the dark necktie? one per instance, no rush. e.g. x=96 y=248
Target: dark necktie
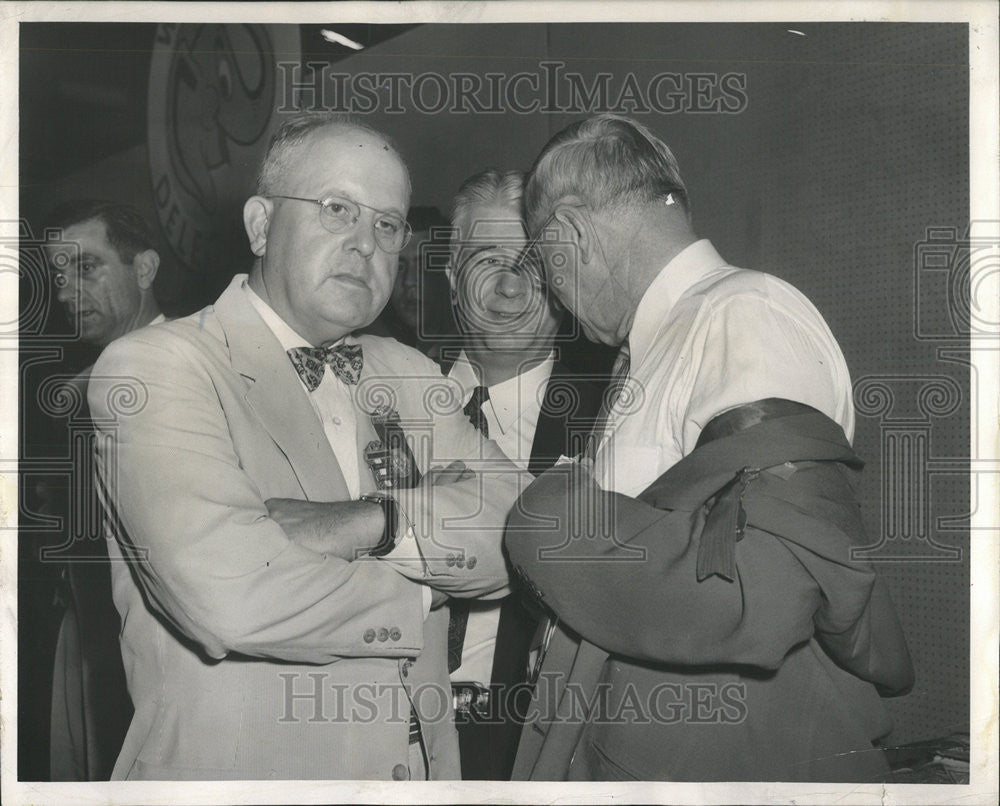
x=458 y=620
x=346 y=361
x=458 y=616
x=474 y=410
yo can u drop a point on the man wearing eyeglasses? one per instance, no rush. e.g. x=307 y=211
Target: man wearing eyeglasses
x=288 y=546
x=708 y=619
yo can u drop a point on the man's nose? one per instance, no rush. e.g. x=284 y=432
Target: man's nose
x=511 y=284
x=362 y=235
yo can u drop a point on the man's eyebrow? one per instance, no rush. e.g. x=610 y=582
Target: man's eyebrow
x=76 y=257
x=469 y=255
x=345 y=195
x=395 y=212
x=479 y=249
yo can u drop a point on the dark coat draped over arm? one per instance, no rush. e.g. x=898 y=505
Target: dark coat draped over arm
x=737 y=554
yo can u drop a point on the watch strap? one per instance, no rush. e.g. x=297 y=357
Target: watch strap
x=390 y=510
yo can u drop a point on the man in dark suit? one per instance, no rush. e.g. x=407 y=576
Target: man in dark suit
x=103 y=270
x=516 y=391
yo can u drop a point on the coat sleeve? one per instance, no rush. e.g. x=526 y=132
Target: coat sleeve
x=623 y=575
x=194 y=524
x=455 y=539
x=457 y=531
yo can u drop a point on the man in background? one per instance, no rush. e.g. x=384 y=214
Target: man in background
x=711 y=605
x=102 y=267
x=417 y=314
x=517 y=393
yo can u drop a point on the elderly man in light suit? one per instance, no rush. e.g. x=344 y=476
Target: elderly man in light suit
x=279 y=621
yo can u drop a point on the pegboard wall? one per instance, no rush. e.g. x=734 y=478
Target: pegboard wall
x=851 y=152
x=863 y=150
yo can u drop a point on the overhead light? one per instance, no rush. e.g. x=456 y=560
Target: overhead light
x=340 y=39
x=793 y=31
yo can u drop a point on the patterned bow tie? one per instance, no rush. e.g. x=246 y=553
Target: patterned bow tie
x=346 y=361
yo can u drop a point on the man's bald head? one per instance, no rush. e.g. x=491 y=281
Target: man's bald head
x=605 y=160
x=295 y=132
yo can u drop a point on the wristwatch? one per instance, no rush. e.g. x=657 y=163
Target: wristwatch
x=390 y=509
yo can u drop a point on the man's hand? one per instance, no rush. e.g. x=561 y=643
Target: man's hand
x=345 y=529
x=456 y=471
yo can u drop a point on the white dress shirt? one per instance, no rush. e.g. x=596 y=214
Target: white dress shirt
x=511 y=413
x=513 y=408
x=708 y=337
x=331 y=400
x=334 y=405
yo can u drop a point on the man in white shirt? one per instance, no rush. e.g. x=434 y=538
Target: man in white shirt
x=698 y=338
x=514 y=391
x=102 y=265
x=280 y=602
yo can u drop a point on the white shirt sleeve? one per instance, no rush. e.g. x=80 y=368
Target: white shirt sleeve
x=407 y=550
x=750 y=351
x=426 y=591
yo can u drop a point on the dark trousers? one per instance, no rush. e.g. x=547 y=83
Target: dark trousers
x=488 y=741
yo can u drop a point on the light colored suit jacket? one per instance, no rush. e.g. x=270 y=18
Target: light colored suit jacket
x=247 y=655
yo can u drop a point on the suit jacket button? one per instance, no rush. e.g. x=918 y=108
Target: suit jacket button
x=383 y=634
x=459 y=561
x=395 y=633
x=449 y=560
x=400 y=773
x=471 y=563
x=369 y=635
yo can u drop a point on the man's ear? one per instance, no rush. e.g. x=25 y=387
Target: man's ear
x=256 y=215
x=449 y=271
x=146 y=264
x=570 y=215
x=558 y=309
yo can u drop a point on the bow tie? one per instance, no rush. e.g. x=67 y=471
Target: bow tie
x=345 y=360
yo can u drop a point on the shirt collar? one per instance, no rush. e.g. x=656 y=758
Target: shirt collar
x=282 y=331
x=509 y=399
x=686 y=268
x=464 y=375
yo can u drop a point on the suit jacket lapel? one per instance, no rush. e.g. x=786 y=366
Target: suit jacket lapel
x=277 y=397
x=366 y=434
x=552 y=434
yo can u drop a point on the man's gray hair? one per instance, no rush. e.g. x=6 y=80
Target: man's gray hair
x=607 y=159
x=492 y=186
x=295 y=131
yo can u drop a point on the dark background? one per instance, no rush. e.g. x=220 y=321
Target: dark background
x=853 y=145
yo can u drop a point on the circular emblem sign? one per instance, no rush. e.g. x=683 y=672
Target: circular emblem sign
x=211 y=110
